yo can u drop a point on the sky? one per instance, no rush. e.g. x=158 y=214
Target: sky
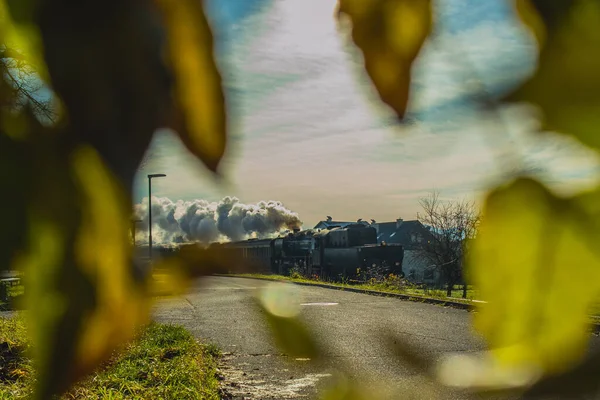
x=308 y=130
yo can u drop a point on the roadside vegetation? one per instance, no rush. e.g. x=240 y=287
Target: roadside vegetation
x=13 y=298
x=164 y=361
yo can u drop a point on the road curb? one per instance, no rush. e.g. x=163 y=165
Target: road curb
x=595 y=326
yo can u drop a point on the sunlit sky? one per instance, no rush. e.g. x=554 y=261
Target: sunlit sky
x=308 y=129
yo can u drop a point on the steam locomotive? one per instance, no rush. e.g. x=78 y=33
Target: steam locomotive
x=339 y=252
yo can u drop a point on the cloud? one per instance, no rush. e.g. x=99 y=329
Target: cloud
x=206 y=222
x=309 y=128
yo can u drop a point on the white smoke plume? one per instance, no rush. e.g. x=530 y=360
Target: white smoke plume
x=203 y=221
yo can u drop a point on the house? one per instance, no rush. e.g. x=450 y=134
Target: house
x=411 y=235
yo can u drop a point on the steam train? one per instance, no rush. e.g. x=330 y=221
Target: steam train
x=339 y=252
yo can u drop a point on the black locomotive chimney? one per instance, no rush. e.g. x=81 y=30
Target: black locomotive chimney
x=296 y=230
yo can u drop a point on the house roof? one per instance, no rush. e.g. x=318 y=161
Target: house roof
x=342 y=224
x=389 y=233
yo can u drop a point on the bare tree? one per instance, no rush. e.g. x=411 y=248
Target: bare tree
x=24 y=86
x=452 y=225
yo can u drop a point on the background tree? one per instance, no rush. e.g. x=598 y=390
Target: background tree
x=452 y=224
x=25 y=87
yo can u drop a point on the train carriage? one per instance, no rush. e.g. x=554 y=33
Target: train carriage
x=333 y=253
x=254 y=254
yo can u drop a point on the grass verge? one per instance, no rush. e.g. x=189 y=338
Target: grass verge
x=381 y=287
x=164 y=362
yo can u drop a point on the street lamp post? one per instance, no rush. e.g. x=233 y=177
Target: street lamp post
x=150 y=176
x=133 y=222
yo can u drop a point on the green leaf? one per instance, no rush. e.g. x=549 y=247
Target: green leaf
x=390 y=34
x=536 y=262
x=201 y=118
x=566 y=85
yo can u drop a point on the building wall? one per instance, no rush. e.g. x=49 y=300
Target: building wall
x=418 y=270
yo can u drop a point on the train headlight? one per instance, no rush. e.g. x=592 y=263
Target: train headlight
x=397 y=263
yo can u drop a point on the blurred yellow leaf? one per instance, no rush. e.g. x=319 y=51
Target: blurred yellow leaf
x=113 y=83
x=172 y=275
x=103 y=253
x=290 y=334
x=483 y=372
x=292 y=337
x=531 y=18
x=15 y=174
x=566 y=85
x=169 y=278
x=83 y=298
x=543 y=17
x=409 y=354
x=21 y=38
x=52 y=278
x=346 y=389
x=390 y=34
x=536 y=262
x=198 y=81
x=346 y=386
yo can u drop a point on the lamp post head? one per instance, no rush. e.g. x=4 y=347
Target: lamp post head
x=150 y=176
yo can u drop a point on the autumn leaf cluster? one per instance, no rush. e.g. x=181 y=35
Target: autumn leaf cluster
x=86 y=84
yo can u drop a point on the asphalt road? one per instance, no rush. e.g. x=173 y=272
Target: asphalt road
x=221 y=310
